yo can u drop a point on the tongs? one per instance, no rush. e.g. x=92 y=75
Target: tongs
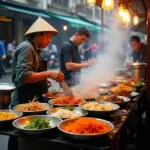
x=66 y=89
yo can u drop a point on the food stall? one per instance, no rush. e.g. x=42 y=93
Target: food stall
x=113 y=138
x=98 y=119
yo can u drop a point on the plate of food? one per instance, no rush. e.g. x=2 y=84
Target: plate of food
x=122 y=90
x=65 y=101
x=120 y=100
x=99 y=109
x=52 y=95
x=85 y=128
x=105 y=85
x=7 y=117
x=121 y=79
x=137 y=85
x=68 y=112
x=37 y=124
x=88 y=96
x=32 y=108
x=103 y=91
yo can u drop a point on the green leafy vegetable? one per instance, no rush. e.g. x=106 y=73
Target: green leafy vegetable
x=69 y=108
x=39 y=123
x=139 y=84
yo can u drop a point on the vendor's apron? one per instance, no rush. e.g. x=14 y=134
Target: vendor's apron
x=29 y=91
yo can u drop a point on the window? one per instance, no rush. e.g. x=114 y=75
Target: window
x=64 y=3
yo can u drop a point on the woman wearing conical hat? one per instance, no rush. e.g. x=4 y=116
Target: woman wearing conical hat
x=29 y=72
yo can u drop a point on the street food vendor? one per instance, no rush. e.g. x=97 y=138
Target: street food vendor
x=70 y=62
x=29 y=70
x=138 y=49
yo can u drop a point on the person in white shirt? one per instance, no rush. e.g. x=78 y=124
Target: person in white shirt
x=11 y=47
x=53 y=48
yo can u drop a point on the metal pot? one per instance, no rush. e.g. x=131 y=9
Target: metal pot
x=5 y=95
x=138 y=71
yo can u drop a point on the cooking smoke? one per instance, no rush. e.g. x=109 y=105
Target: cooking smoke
x=111 y=58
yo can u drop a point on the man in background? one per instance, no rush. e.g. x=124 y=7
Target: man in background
x=2 y=57
x=70 y=61
x=138 y=49
x=94 y=48
x=10 y=51
x=11 y=47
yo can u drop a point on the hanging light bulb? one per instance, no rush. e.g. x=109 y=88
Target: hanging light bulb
x=108 y=4
x=126 y=16
x=136 y=19
x=91 y=2
x=121 y=10
x=147 y=21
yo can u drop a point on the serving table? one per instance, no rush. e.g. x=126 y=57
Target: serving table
x=116 y=140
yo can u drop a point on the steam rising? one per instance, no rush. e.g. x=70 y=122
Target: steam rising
x=104 y=70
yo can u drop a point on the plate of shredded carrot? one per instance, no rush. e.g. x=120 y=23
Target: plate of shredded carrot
x=85 y=127
x=65 y=101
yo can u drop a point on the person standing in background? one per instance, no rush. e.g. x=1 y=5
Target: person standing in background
x=11 y=47
x=138 y=49
x=94 y=48
x=2 y=57
x=53 y=48
x=10 y=51
x=46 y=53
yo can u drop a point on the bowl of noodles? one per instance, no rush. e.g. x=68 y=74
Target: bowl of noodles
x=99 y=109
x=33 y=108
x=123 y=90
x=7 y=117
x=85 y=128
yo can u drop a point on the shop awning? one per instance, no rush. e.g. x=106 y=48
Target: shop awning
x=24 y=10
x=76 y=22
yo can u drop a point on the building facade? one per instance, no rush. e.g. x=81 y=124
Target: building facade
x=60 y=13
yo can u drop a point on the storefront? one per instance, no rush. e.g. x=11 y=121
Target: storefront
x=18 y=18
x=6 y=28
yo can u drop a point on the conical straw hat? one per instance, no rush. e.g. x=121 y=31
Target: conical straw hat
x=40 y=25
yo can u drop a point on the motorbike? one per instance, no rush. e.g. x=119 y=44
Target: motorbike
x=54 y=60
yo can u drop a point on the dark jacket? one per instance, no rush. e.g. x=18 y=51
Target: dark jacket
x=141 y=55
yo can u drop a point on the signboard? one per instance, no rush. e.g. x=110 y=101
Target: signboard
x=5 y=19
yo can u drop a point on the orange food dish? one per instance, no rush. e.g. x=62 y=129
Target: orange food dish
x=67 y=100
x=7 y=116
x=87 y=126
x=53 y=95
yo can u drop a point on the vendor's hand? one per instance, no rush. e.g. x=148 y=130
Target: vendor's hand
x=49 y=83
x=3 y=57
x=58 y=76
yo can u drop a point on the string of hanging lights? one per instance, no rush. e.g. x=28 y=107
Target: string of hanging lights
x=123 y=10
x=108 y=4
x=136 y=18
